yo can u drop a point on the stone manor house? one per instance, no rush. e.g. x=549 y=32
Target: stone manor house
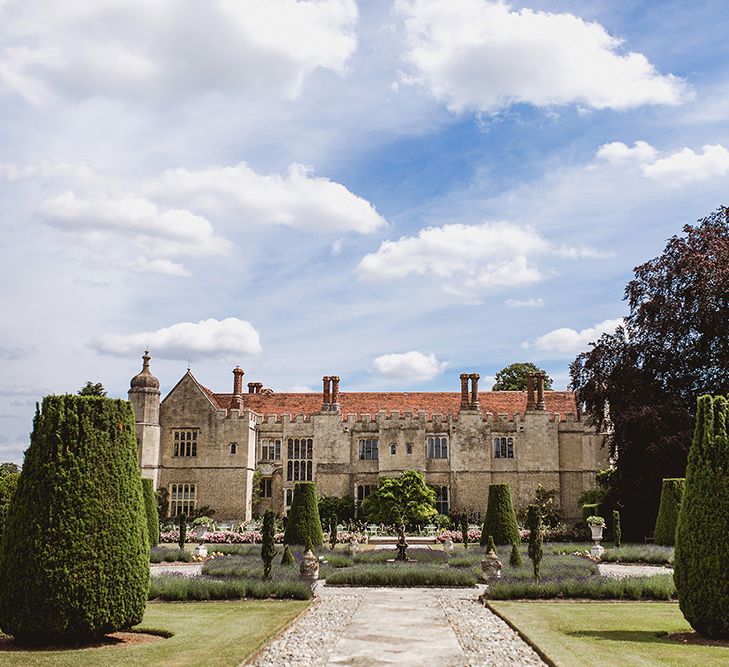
x=204 y=447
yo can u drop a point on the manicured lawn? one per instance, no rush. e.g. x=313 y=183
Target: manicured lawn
x=580 y=634
x=205 y=633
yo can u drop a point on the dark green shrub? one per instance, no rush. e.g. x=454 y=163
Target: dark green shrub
x=702 y=534
x=590 y=509
x=268 y=546
x=333 y=532
x=671 y=493
x=464 y=530
x=617 y=532
x=534 y=524
x=341 y=507
x=287 y=558
x=490 y=546
x=500 y=517
x=150 y=506
x=74 y=560
x=182 y=523
x=304 y=525
x=515 y=559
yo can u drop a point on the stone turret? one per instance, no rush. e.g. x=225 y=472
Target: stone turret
x=144 y=397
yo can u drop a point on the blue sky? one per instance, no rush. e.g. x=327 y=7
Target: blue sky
x=395 y=192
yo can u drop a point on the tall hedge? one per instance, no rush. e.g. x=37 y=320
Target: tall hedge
x=702 y=533
x=74 y=560
x=150 y=506
x=500 y=517
x=671 y=494
x=304 y=525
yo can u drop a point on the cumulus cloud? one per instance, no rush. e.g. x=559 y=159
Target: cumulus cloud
x=565 y=341
x=297 y=199
x=211 y=338
x=482 y=56
x=411 y=366
x=469 y=258
x=169 y=51
x=162 y=231
x=677 y=168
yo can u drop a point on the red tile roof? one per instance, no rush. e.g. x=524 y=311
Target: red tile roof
x=445 y=403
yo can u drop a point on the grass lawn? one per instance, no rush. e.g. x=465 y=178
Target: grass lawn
x=205 y=633
x=609 y=633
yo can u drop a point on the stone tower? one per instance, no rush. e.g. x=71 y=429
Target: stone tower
x=144 y=397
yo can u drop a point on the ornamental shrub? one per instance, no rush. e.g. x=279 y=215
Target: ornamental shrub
x=268 y=547
x=464 y=530
x=74 y=561
x=702 y=533
x=182 y=521
x=515 y=559
x=304 y=525
x=150 y=506
x=534 y=523
x=617 y=532
x=590 y=509
x=671 y=494
x=333 y=532
x=287 y=558
x=500 y=517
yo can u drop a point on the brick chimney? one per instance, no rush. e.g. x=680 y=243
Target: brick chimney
x=531 y=403
x=327 y=381
x=464 y=391
x=474 y=390
x=541 y=405
x=335 y=391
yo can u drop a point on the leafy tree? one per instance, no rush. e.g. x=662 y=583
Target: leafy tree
x=92 y=389
x=534 y=524
x=268 y=546
x=500 y=519
x=640 y=382
x=304 y=525
x=513 y=377
x=74 y=559
x=406 y=499
x=547 y=500
x=334 y=506
x=702 y=534
x=9 y=475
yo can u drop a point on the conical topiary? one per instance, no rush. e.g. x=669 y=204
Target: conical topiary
x=74 y=560
x=500 y=517
x=150 y=506
x=287 y=558
x=671 y=494
x=534 y=524
x=702 y=535
x=515 y=559
x=304 y=525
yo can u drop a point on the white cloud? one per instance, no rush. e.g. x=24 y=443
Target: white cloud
x=524 y=303
x=411 y=366
x=211 y=338
x=163 y=267
x=468 y=258
x=686 y=166
x=169 y=50
x=296 y=199
x=300 y=389
x=617 y=152
x=481 y=56
x=566 y=341
x=164 y=232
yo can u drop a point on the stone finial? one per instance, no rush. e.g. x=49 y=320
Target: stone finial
x=464 y=391
x=474 y=390
x=144 y=379
x=531 y=403
x=238 y=374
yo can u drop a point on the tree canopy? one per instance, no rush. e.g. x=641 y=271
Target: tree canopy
x=92 y=389
x=404 y=499
x=513 y=377
x=640 y=383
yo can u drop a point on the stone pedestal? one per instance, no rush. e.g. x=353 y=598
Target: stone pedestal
x=201 y=550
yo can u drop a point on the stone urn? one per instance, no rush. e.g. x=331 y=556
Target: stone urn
x=448 y=545
x=353 y=546
x=490 y=567
x=597 y=549
x=201 y=532
x=309 y=568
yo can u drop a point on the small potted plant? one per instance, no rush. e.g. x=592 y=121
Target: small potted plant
x=597 y=525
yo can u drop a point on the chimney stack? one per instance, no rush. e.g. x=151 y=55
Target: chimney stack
x=327 y=380
x=335 y=391
x=464 y=391
x=531 y=403
x=541 y=405
x=474 y=390
x=255 y=387
x=238 y=374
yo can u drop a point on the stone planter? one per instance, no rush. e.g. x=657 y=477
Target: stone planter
x=597 y=532
x=597 y=549
x=490 y=567
x=201 y=533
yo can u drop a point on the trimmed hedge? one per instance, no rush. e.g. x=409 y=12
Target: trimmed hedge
x=590 y=509
x=702 y=534
x=500 y=520
x=74 y=560
x=150 y=506
x=671 y=493
x=304 y=525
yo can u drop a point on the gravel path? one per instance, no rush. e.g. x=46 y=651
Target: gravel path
x=617 y=571
x=406 y=626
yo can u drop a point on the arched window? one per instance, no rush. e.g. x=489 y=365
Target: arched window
x=233 y=447
x=393 y=449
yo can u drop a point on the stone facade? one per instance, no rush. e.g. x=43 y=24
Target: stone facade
x=205 y=447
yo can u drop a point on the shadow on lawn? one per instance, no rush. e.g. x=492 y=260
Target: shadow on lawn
x=640 y=636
